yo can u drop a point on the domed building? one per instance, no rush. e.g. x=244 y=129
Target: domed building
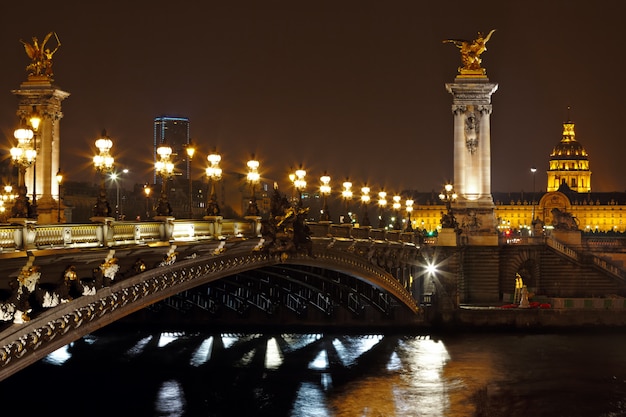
x=569 y=163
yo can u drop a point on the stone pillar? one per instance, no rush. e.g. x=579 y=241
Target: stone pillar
x=471 y=107
x=38 y=93
x=472 y=148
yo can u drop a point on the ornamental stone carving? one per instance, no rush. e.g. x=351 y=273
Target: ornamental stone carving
x=471 y=132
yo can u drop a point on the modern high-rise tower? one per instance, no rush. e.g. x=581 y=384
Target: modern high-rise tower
x=173 y=131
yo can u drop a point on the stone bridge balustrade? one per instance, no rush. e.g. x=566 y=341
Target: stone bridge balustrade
x=115 y=233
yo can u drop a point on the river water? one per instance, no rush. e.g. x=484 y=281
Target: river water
x=140 y=373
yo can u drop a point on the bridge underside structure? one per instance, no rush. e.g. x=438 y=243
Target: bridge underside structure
x=341 y=281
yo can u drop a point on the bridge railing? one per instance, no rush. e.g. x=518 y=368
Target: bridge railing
x=110 y=233
x=348 y=231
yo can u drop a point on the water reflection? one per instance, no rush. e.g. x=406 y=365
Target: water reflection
x=303 y=375
x=170 y=400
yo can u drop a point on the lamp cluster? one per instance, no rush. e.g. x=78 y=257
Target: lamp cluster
x=24 y=155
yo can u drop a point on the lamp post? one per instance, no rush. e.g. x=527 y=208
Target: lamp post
x=325 y=191
x=253 y=177
x=300 y=184
x=382 y=202
x=104 y=164
x=34 y=121
x=164 y=168
x=397 y=225
x=533 y=170
x=23 y=155
x=365 y=199
x=147 y=190
x=292 y=178
x=191 y=150
x=347 y=196
x=409 y=209
x=119 y=209
x=59 y=178
x=448 y=196
x=214 y=174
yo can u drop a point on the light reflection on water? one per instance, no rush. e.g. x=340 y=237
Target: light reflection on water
x=312 y=375
x=170 y=400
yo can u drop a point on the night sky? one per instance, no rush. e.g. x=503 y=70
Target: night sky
x=352 y=87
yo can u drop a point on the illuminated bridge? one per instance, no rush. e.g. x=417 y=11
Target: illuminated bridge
x=69 y=280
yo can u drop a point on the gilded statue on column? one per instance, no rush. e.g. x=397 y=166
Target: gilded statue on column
x=41 y=56
x=470 y=54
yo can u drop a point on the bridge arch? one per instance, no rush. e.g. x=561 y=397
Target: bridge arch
x=24 y=344
x=524 y=261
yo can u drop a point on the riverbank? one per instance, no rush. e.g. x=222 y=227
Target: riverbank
x=479 y=317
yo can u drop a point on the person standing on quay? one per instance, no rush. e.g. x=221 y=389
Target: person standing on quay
x=519 y=284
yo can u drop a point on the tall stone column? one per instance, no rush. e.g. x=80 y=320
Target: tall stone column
x=472 y=151
x=471 y=106
x=39 y=94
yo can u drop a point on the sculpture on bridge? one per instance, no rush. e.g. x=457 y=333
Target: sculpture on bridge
x=562 y=220
x=170 y=257
x=18 y=307
x=470 y=53
x=448 y=221
x=41 y=57
x=286 y=231
x=106 y=273
x=73 y=286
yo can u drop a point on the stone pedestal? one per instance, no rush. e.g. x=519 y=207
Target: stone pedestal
x=568 y=237
x=478 y=223
x=166 y=228
x=447 y=237
x=25 y=237
x=104 y=233
x=256 y=224
x=216 y=225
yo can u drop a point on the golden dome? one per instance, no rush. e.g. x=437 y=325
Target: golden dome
x=568 y=147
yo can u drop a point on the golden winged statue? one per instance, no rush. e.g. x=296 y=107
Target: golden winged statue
x=41 y=56
x=470 y=53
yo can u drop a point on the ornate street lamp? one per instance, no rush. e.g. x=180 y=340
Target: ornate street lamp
x=214 y=174
x=191 y=150
x=325 y=191
x=365 y=199
x=292 y=178
x=409 y=208
x=115 y=177
x=23 y=155
x=397 y=225
x=347 y=196
x=164 y=168
x=59 y=178
x=448 y=196
x=382 y=202
x=147 y=190
x=104 y=164
x=35 y=121
x=533 y=170
x=300 y=184
x=253 y=178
